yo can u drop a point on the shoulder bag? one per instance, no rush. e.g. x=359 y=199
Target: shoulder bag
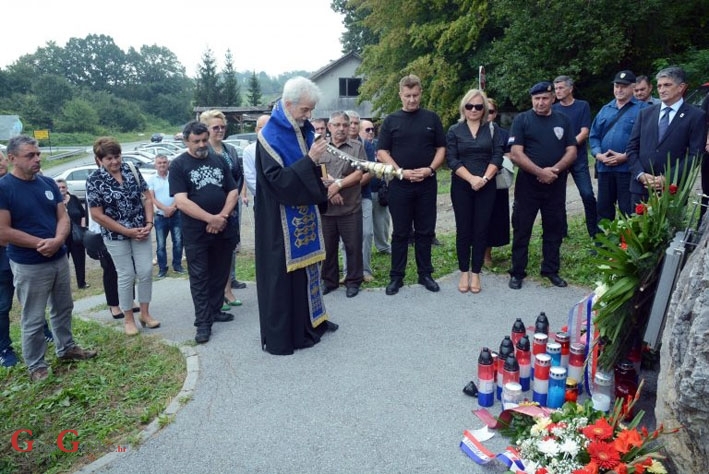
x=506 y=174
x=137 y=179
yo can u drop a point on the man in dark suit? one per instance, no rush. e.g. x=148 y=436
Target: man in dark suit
x=672 y=128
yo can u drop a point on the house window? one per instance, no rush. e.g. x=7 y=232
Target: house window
x=349 y=86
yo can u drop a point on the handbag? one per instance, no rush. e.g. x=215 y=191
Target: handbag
x=93 y=243
x=77 y=232
x=505 y=175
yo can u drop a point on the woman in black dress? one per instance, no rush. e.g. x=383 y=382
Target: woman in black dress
x=498 y=233
x=75 y=247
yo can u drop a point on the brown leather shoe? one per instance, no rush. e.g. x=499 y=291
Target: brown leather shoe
x=77 y=353
x=39 y=374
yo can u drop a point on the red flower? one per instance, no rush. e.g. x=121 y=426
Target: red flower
x=603 y=454
x=541 y=470
x=590 y=468
x=673 y=188
x=621 y=469
x=627 y=440
x=598 y=431
x=623 y=246
x=640 y=209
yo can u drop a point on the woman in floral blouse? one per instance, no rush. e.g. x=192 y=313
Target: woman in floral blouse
x=120 y=204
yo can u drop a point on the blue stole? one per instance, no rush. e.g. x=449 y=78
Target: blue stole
x=301 y=225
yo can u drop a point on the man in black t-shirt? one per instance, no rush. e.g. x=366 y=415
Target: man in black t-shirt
x=544 y=147
x=205 y=193
x=413 y=139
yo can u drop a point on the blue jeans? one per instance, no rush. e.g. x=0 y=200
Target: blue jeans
x=163 y=226
x=7 y=292
x=582 y=177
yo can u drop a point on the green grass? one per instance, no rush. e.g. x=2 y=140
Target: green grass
x=107 y=400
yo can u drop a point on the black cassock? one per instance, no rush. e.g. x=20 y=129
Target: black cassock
x=283 y=296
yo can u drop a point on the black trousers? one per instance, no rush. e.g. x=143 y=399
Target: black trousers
x=412 y=204
x=208 y=261
x=110 y=279
x=78 y=256
x=532 y=197
x=473 y=212
x=349 y=228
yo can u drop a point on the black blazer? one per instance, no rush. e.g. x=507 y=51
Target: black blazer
x=685 y=138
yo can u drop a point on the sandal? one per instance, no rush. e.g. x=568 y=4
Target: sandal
x=463 y=286
x=475 y=285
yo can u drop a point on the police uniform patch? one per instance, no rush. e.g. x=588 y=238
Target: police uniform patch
x=49 y=194
x=559 y=132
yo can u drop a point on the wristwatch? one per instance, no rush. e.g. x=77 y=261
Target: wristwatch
x=433 y=172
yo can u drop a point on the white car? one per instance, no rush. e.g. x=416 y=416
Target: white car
x=76 y=177
x=166 y=148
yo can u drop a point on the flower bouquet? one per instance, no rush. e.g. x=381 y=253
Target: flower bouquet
x=576 y=439
x=630 y=253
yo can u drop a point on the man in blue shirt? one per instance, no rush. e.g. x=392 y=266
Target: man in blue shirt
x=35 y=224
x=609 y=136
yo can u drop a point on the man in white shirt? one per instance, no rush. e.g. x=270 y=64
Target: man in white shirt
x=250 y=163
x=167 y=218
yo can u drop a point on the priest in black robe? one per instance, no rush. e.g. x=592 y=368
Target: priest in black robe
x=288 y=232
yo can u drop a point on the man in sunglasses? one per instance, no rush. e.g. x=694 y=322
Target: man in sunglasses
x=544 y=147
x=381 y=220
x=412 y=139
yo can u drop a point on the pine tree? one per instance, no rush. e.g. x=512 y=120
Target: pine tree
x=208 y=91
x=254 y=96
x=232 y=90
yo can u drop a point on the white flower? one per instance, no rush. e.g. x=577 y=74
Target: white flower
x=569 y=447
x=540 y=426
x=549 y=447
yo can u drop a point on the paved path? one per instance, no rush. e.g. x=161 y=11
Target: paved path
x=381 y=395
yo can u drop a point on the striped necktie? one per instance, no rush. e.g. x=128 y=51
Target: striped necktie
x=664 y=123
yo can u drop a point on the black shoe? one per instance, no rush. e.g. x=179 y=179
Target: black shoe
x=393 y=286
x=429 y=283
x=202 y=336
x=352 y=291
x=515 y=283
x=332 y=327
x=436 y=242
x=471 y=389
x=222 y=317
x=556 y=280
x=328 y=289
x=238 y=285
x=117 y=316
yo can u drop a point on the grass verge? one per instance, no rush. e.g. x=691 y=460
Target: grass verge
x=107 y=400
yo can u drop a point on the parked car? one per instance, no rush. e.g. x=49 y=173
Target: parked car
x=247 y=137
x=238 y=145
x=156 y=137
x=76 y=177
x=163 y=146
x=698 y=95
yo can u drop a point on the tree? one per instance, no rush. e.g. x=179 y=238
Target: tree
x=52 y=92
x=520 y=43
x=357 y=35
x=254 y=95
x=231 y=88
x=207 y=90
x=94 y=62
x=77 y=115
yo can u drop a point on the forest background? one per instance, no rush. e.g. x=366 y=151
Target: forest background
x=90 y=86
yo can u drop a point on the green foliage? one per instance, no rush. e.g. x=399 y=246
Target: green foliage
x=630 y=260
x=232 y=90
x=77 y=115
x=519 y=43
x=105 y=399
x=207 y=92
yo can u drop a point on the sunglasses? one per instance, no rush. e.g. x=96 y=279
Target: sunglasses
x=492 y=111
x=218 y=128
x=369 y=130
x=474 y=106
